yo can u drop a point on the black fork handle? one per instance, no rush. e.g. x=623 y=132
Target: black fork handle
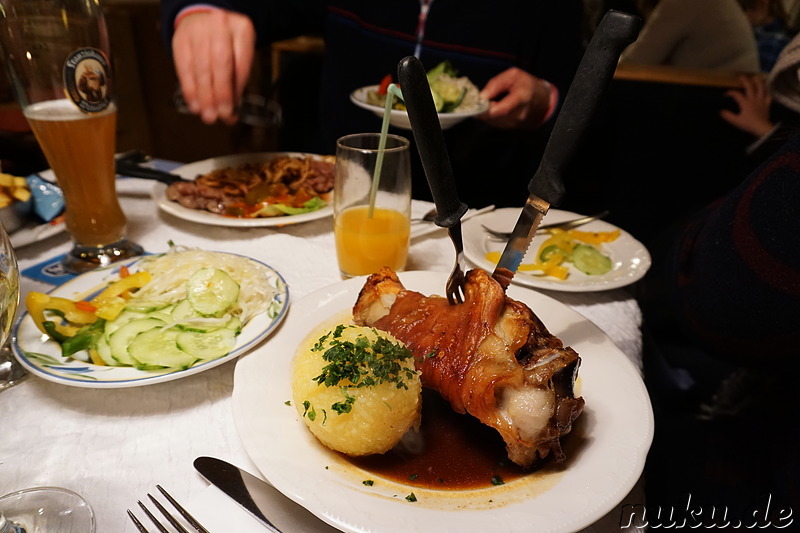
x=430 y=142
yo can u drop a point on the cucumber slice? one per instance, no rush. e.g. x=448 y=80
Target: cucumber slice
x=121 y=319
x=590 y=260
x=145 y=306
x=104 y=351
x=183 y=310
x=211 y=291
x=235 y=324
x=204 y=324
x=207 y=345
x=157 y=347
x=550 y=250
x=186 y=318
x=120 y=340
x=438 y=101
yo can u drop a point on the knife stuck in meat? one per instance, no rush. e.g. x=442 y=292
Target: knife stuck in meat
x=616 y=31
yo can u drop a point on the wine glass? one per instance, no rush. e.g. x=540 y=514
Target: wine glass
x=45 y=510
x=10 y=370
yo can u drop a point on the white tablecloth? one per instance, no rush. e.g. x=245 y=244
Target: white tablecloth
x=114 y=445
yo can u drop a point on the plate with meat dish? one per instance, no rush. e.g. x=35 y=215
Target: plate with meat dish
x=596 y=256
x=585 y=439
x=251 y=190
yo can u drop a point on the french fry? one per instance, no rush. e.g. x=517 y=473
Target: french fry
x=13 y=189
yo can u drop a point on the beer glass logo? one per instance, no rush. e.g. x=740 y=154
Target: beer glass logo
x=87 y=81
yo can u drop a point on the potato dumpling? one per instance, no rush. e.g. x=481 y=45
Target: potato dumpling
x=356 y=389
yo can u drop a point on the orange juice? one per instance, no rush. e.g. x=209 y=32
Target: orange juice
x=364 y=244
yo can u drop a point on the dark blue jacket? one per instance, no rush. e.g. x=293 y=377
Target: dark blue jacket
x=365 y=39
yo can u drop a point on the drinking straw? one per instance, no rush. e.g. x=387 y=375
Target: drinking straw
x=391 y=91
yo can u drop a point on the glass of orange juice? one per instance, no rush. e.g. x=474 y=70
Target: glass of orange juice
x=59 y=58
x=371 y=223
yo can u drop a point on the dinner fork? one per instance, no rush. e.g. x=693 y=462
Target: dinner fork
x=172 y=520
x=565 y=225
x=436 y=163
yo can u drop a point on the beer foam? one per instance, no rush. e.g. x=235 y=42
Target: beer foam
x=62 y=109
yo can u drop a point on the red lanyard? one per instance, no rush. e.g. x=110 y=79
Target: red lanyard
x=424 y=6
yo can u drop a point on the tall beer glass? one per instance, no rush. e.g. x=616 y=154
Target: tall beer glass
x=58 y=57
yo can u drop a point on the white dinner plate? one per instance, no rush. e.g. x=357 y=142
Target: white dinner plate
x=631 y=258
x=42 y=356
x=608 y=459
x=399 y=118
x=192 y=170
x=35 y=232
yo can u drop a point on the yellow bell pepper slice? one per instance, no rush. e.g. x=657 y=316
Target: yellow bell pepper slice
x=37 y=303
x=594 y=237
x=111 y=301
x=95 y=357
x=71 y=312
x=552 y=267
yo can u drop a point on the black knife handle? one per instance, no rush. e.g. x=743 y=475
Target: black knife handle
x=430 y=141
x=615 y=32
x=133 y=170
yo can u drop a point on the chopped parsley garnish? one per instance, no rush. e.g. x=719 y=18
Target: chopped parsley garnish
x=368 y=482
x=497 y=480
x=309 y=411
x=362 y=362
x=288 y=402
x=346 y=405
x=411 y=497
x=412 y=477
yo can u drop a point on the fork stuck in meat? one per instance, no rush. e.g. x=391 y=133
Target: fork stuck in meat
x=490 y=357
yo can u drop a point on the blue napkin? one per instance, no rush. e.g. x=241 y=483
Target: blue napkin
x=46 y=198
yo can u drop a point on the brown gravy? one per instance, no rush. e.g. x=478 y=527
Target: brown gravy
x=451 y=451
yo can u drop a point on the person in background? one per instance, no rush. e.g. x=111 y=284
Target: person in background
x=522 y=53
x=707 y=34
x=771 y=28
x=721 y=333
x=766 y=107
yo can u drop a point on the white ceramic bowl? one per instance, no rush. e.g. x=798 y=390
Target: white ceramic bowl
x=399 y=118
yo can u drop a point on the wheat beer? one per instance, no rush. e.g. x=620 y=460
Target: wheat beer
x=80 y=148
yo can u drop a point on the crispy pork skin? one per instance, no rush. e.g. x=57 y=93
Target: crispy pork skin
x=490 y=357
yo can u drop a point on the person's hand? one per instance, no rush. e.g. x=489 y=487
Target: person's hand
x=213 y=52
x=516 y=100
x=754 y=102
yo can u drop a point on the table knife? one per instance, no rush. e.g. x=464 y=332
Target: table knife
x=615 y=31
x=130 y=164
x=260 y=498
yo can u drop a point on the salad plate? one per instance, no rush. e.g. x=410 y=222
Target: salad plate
x=399 y=118
x=42 y=356
x=630 y=258
x=192 y=170
x=607 y=448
